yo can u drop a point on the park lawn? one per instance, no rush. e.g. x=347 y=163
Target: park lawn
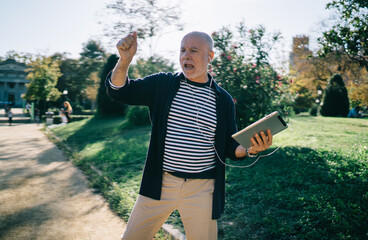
x=314 y=187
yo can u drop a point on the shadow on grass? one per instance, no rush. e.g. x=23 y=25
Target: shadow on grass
x=297 y=193
x=118 y=151
x=122 y=148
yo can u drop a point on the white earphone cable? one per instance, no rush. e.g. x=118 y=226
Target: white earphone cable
x=211 y=142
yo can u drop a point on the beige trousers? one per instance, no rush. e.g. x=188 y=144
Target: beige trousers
x=193 y=199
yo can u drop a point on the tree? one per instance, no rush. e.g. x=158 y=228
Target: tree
x=311 y=73
x=151 y=65
x=358 y=93
x=106 y=106
x=243 y=69
x=70 y=79
x=93 y=57
x=301 y=70
x=43 y=75
x=18 y=56
x=92 y=89
x=350 y=35
x=80 y=76
x=148 y=17
x=335 y=101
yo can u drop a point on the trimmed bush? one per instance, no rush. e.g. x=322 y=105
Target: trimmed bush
x=77 y=109
x=105 y=105
x=138 y=115
x=313 y=111
x=335 y=100
x=57 y=118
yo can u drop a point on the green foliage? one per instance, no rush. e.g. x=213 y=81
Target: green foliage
x=350 y=35
x=243 y=69
x=92 y=59
x=43 y=75
x=335 y=100
x=18 y=56
x=313 y=111
x=142 y=68
x=304 y=99
x=78 y=73
x=77 y=109
x=311 y=74
x=92 y=55
x=105 y=105
x=138 y=115
x=358 y=93
x=314 y=187
x=154 y=64
x=71 y=79
x=57 y=118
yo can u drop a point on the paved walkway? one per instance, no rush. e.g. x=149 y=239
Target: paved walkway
x=18 y=116
x=43 y=196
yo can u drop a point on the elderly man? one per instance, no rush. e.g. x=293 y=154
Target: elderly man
x=192 y=123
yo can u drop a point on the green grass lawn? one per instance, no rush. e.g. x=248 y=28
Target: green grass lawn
x=314 y=187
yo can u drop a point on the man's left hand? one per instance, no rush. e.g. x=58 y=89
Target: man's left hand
x=261 y=142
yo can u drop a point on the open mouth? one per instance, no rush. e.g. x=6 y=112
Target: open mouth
x=188 y=66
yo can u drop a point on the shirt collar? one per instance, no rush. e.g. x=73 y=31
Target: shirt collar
x=215 y=86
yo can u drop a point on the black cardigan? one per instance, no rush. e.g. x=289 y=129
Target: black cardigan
x=157 y=92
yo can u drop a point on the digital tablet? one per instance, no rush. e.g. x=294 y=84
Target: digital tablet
x=273 y=121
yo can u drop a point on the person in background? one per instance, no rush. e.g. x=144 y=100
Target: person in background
x=37 y=115
x=64 y=119
x=68 y=110
x=6 y=109
x=28 y=108
x=10 y=116
x=355 y=112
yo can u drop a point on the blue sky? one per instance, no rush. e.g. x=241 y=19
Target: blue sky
x=49 y=26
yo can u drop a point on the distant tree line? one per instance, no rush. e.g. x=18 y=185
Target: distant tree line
x=343 y=55
x=242 y=65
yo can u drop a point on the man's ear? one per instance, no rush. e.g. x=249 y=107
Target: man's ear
x=211 y=55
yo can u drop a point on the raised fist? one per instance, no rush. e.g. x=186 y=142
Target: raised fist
x=127 y=47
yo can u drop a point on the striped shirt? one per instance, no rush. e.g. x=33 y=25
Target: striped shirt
x=191 y=130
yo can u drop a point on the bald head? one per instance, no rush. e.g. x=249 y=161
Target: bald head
x=195 y=55
x=203 y=36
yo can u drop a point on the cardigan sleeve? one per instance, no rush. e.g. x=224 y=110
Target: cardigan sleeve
x=135 y=91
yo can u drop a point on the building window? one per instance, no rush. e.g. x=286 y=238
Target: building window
x=11 y=98
x=11 y=84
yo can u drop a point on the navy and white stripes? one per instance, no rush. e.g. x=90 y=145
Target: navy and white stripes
x=191 y=128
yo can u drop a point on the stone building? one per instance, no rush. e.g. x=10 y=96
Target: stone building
x=12 y=83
